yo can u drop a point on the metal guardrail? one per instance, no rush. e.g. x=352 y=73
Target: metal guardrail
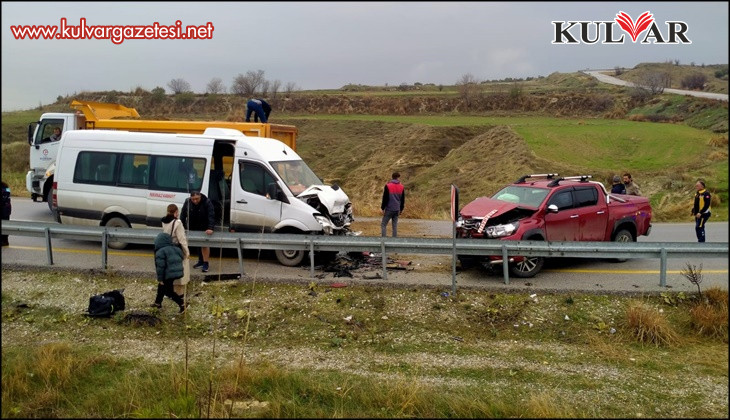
x=314 y=243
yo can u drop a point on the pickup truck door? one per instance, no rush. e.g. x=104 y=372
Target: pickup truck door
x=251 y=209
x=563 y=225
x=592 y=213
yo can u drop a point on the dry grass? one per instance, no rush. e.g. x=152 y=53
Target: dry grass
x=710 y=317
x=649 y=326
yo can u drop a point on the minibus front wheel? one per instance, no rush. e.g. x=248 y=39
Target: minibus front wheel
x=290 y=257
x=117 y=222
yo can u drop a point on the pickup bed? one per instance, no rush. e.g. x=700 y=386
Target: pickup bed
x=546 y=207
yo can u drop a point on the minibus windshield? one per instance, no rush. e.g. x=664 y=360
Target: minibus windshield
x=296 y=175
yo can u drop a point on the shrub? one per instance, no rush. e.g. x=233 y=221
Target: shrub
x=649 y=326
x=694 y=81
x=710 y=321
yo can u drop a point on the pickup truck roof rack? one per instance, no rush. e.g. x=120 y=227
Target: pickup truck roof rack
x=524 y=177
x=581 y=178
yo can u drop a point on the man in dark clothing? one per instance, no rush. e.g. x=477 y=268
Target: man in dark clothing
x=618 y=187
x=701 y=209
x=260 y=108
x=6 y=209
x=198 y=214
x=394 y=200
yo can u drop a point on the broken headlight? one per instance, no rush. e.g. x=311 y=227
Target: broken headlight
x=327 y=227
x=502 y=230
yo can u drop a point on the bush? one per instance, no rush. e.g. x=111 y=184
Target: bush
x=694 y=81
x=649 y=326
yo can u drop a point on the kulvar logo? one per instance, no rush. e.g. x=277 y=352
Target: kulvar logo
x=593 y=32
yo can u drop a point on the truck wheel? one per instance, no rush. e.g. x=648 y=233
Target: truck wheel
x=623 y=235
x=527 y=268
x=290 y=258
x=117 y=222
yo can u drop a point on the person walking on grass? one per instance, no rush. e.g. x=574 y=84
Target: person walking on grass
x=169 y=267
x=394 y=200
x=701 y=209
x=172 y=225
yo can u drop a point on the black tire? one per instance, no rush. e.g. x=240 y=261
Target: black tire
x=117 y=222
x=527 y=268
x=290 y=258
x=623 y=235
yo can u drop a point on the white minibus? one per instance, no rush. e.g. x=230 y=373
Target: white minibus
x=127 y=179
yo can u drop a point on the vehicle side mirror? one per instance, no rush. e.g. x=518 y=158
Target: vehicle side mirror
x=552 y=208
x=274 y=192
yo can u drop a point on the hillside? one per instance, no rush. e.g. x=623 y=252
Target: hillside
x=566 y=123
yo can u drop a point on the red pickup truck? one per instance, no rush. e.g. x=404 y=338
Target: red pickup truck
x=546 y=207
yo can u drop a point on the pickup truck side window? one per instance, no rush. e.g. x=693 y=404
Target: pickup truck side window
x=587 y=196
x=562 y=199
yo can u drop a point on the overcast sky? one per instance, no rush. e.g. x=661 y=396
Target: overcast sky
x=326 y=45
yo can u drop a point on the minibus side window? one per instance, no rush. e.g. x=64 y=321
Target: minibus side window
x=95 y=168
x=171 y=173
x=134 y=170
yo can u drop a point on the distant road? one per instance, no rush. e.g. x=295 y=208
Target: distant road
x=603 y=77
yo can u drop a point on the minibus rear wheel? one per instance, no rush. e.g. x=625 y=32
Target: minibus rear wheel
x=117 y=222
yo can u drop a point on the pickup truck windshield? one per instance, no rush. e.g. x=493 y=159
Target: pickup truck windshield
x=296 y=175
x=526 y=196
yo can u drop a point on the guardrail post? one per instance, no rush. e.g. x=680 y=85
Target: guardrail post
x=385 y=259
x=311 y=257
x=663 y=268
x=104 y=242
x=453 y=258
x=49 y=251
x=240 y=257
x=505 y=264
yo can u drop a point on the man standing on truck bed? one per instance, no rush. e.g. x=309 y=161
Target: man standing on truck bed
x=260 y=108
x=198 y=214
x=394 y=200
x=701 y=209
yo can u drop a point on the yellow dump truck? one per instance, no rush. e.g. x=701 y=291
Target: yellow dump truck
x=43 y=135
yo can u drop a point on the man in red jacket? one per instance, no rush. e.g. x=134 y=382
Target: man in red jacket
x=394 y=199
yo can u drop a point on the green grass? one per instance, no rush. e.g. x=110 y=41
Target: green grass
x=475 y=354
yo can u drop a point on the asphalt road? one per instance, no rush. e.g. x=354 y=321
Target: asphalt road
x=603 y=77
x=632 y=276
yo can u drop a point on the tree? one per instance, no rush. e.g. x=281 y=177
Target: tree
x=215 y=86
x=275 y=87
x=247 y=85
x=179 y=86
x=468 y=87
x=290 y=87
x=653 y=82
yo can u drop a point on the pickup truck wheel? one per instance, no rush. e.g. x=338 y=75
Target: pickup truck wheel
x=623 y=235
x=527 y=268
x=290 y=258
x=117 y=222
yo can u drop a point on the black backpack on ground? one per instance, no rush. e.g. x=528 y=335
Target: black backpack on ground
x=106 y=304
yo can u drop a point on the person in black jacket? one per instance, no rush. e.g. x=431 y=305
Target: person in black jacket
x=618 y=187
x=7 y=209
x=198 y=214
x=701 y=209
